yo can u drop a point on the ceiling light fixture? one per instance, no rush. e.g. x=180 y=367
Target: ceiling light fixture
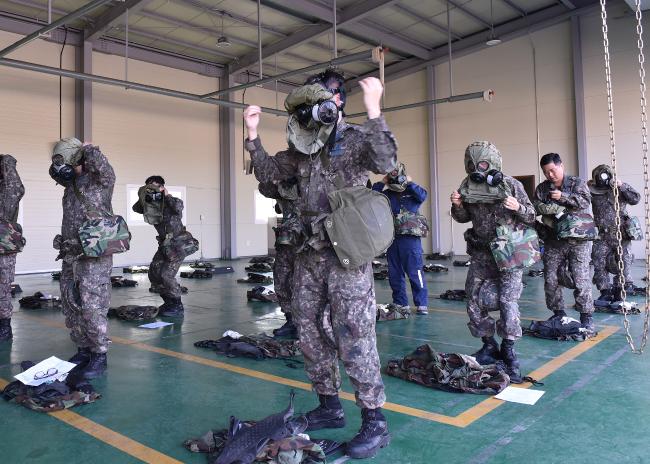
x=222 y=41
x=492 y=39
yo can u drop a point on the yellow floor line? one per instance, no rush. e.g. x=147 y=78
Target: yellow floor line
x=484 y=407
x=462 y=420
x=110 y=437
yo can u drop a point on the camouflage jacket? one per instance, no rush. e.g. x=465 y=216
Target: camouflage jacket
x=603 y=207
x=451 y=372
x=95 y=184
x=486 y=217
x=357 y=150
x=172 y=222
x=11 y=189
x=575 y=197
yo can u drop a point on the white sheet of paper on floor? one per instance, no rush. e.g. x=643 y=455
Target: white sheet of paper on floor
x=232 y=334
x=520 y=395
x=155 y=325
x=40 y=371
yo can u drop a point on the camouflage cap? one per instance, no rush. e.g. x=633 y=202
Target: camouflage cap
x=482 y=151
x=70 y=149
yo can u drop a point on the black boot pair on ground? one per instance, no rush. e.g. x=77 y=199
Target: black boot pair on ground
x=372 y=436
x=92 y=365
x=490 y=353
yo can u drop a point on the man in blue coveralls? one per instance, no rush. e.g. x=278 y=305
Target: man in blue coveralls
x=405 y=254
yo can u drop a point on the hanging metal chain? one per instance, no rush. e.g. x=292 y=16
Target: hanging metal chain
x=646 y=176
x=617 y=205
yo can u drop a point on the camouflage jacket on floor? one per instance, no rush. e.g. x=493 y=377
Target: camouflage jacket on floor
x=357 y=150
x=48 y=398
x=602 y=204
x=576 y=198
x=95 y=184
x=486 y=217
x=11 y=189
x=255 y=346
x=172 y=222
x=449 y=372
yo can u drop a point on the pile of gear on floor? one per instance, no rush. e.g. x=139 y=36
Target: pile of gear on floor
x=40 y=300
x=48 y=389
x=276 y=439
x=234 y=344
x=257 y=269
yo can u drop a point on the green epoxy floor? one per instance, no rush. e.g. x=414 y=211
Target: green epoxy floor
x=596 y=407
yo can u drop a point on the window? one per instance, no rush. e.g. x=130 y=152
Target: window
x=136 y=219
x=264 y=208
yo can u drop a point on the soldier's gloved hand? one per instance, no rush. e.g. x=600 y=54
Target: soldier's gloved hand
x=252 y=120
x=456 y=199
x=372 y=91
x=511 y=203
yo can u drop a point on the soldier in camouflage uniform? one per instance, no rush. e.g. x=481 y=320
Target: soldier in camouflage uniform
x=85 y=282
x=319 y=279
x=486 y=203
x=163 y=270
x=286 y=239
x=557 y=195
x=602 y=198
x=11 y=192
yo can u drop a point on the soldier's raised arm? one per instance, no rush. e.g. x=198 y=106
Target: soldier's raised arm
x=97 y=165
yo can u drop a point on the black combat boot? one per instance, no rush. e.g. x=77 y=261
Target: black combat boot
x=558 y=314
x=172 y=307
x=587 y=322
x=372 y=436
x=96 y=366
x=289 y=329
x=82 y=356
x=606 y=294
x=510 y=360
x=5 y=330
x=329 y=415
x=489 y=352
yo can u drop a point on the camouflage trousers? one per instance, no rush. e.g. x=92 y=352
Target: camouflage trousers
x=481 y=324
x=7 y=274
x=162 y=275
x=320 y=281
x=285 y=257
x=601 y=250
x=577 y=254
x=86 y=296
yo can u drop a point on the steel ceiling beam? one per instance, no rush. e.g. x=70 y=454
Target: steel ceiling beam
x=127 y=84
x=55 y=24
x=415 y=15
x=337 y=61
x=467 y=12
x=361 y=29
x=515 y=7
x=111 y=17
x=213 y=11
x=541 y=19
x=351 y=14
x=568 y=3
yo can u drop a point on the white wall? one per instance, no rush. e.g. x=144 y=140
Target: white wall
x=142 y=134
x=29 y=124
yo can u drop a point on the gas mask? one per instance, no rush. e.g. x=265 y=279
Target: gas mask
x=152 y=194
x=61 y=172
x=312 y=118
x=603 y=176
x=67 y=154
x=397 y=179
x=483 y=164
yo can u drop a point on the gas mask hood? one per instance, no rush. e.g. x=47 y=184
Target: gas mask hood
x=483 y=163
x=313 y=116
x=397 y=179
x=603 y=177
